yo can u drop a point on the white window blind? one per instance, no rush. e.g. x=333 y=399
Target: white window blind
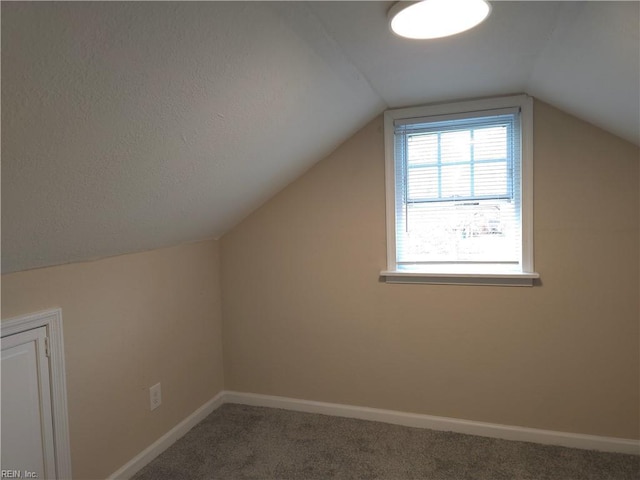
x=458 y=191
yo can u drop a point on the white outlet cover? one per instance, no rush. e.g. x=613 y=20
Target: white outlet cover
x=155 y=396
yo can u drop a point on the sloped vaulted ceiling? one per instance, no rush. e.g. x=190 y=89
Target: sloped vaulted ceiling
x=130 y=126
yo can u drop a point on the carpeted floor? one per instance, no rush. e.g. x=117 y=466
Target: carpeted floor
x=242 y=442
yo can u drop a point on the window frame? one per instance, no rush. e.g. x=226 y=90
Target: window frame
x=527 y=274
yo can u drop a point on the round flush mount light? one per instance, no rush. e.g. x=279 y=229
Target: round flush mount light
x=436 y=18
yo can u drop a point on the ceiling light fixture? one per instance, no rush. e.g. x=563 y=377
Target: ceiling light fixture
x=436 y=18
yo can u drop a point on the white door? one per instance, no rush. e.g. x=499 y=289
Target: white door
x=27 y=423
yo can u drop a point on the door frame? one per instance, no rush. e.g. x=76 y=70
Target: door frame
x=52 y=320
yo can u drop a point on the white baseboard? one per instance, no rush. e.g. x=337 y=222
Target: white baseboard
x=507 y=432
x=156 y=448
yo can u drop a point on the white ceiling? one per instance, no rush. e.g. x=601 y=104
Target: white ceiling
x=131 y=126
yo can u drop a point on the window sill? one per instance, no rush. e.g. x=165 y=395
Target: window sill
x=506 y=279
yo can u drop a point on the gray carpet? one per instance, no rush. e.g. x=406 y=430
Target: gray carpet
x=241 y=442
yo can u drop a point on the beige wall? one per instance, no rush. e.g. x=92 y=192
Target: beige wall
x=130 y=322
x=305 y=314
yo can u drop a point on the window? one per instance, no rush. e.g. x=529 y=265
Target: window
x=459 y=193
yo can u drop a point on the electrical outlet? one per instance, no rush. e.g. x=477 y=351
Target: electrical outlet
x=155 y=396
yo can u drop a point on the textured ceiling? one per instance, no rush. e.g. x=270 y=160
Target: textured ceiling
x=128 y=126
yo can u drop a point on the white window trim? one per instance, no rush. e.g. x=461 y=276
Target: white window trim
x=506 y=278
